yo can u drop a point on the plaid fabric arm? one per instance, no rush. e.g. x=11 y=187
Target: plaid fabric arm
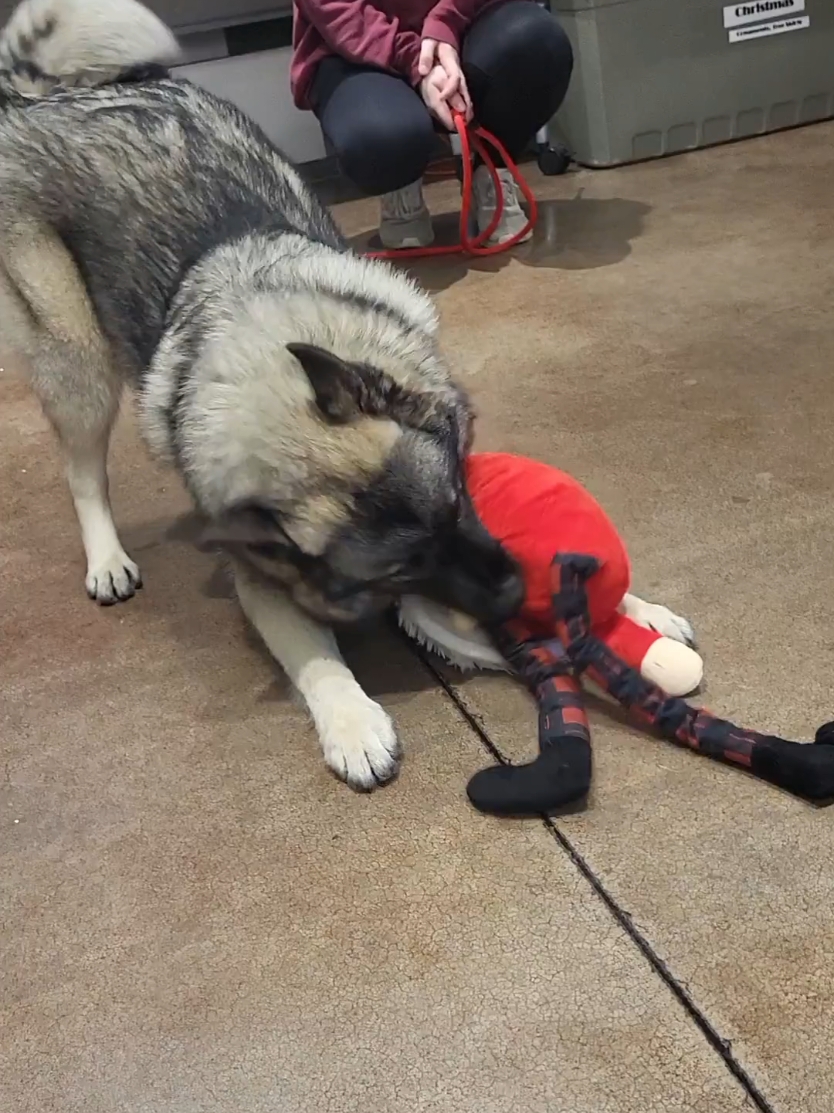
x=549 y=670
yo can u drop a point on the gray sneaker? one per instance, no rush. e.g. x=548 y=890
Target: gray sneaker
x=404 y=219
x=513 y=217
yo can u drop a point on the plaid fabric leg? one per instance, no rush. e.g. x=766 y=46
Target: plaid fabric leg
x=805 y=770
x=548 y=671
x=559 y=779
x=673 y=718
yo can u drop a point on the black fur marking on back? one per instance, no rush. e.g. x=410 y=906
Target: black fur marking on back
x=23 y=64
x=47 y=28
x=355 y=299
x=191 y=331
x=25 y=67
x=151 y=71
x=137 y=215
x=370 y=305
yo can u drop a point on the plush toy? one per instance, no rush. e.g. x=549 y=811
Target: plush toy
x=536 y=511
x=574 y=621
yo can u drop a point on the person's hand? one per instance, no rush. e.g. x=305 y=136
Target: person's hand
x=435 y=54
x=443 y=86
x=434 y=89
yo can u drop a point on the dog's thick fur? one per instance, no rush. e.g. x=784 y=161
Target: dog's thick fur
x=150 y=234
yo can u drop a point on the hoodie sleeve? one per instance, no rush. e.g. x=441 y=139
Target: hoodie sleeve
x=360 y=32
x=448 y=20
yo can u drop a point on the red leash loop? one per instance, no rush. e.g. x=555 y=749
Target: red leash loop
x=477 y=140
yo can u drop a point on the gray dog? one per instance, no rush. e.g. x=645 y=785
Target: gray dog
x=151 y=235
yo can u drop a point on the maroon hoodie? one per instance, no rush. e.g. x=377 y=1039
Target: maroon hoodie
x=386 y=34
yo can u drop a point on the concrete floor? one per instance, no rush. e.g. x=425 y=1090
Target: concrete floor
x=196 y=917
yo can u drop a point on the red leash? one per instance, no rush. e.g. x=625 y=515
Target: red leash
x=475 y=139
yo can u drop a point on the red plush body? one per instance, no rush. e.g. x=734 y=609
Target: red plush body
x=577 y=573
x=537 y=511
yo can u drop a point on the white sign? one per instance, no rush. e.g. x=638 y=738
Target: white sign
x=754 y=11
x=761 y=30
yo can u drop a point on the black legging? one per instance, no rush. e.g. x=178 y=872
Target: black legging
x=517 y=61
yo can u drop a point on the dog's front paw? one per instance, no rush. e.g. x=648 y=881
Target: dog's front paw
x=359 y=740
x=663 y=621
x=113 y=580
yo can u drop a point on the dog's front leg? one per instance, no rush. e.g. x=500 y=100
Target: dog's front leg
x=358 y=738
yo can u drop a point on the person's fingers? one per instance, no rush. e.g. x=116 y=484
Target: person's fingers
x=443 y=83
x=448 y=58
x=458 y=108
x=455 y=85
x=449 y=86
x=428 y=49
x=443 y=113
x=432 y=90
x=429 y=91
x=463 y=90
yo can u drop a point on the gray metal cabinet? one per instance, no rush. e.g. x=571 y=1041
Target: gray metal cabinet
x=654 y=77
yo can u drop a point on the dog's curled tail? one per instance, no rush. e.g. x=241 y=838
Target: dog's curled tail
x=49 y=45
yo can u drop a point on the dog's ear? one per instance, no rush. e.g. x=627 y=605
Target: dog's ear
x=339 y=387
x=244 y=523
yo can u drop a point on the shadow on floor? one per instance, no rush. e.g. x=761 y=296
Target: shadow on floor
x=574 y=234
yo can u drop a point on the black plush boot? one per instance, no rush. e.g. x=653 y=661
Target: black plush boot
x=559 y=780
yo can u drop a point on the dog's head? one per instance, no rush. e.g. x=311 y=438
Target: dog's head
x=352 y=539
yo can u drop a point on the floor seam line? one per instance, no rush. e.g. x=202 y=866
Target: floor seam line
x=722 y=1047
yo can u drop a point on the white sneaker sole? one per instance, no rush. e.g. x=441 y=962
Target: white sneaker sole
x=494 y=240
x=398 y=234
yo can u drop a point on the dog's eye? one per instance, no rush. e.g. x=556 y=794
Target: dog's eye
x=418 y=564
